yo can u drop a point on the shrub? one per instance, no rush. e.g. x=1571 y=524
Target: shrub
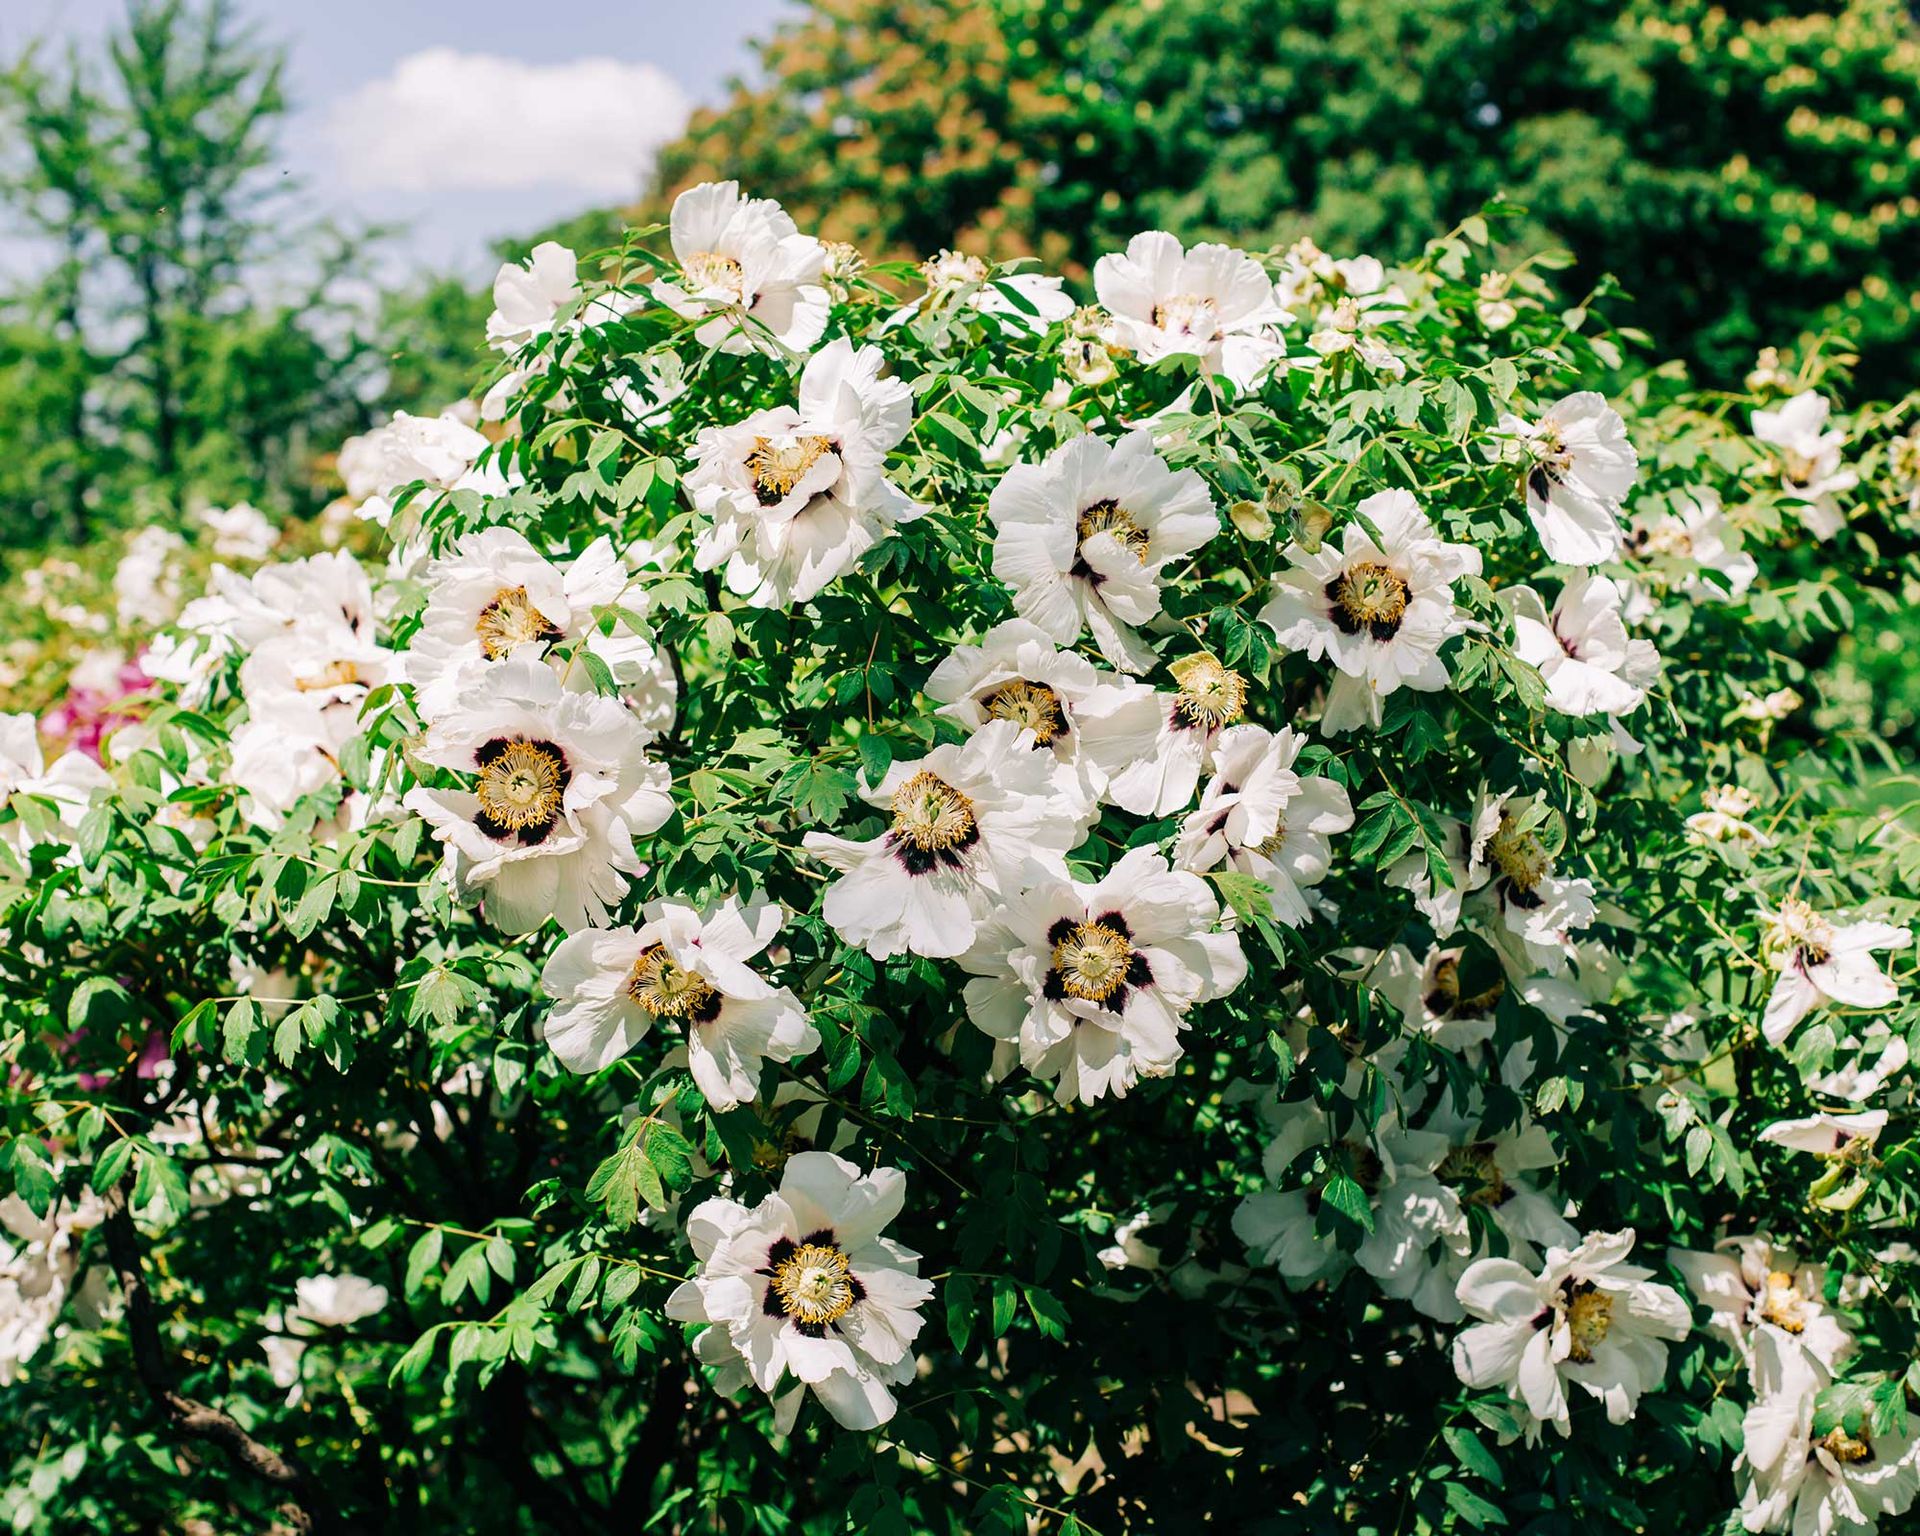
x=954 y=913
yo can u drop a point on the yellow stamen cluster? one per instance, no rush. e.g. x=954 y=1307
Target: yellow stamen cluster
x=1443 y=995
x=510 y=621
x=1520 y=855
x=1108 y=516
x=660 y=986
x=1476 y=1173
x=1589 y=1319
x=1033 y=705
x=713 y=272
x=1091 y=961
x=1370 y=593
x=1187 y=314
x=522 y=785
x=931 y=814
x=778 y=464
x=1844 y=1447
x=1782 y=1304
x=1212 y=695
x=814 y=1284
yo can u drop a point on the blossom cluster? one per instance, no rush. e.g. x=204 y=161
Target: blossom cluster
x=829 y=709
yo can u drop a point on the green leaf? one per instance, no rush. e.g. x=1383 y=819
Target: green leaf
x=819 y=791
x=876 y=756
x=287 y=1038
x=1473 y=1509
x=441 y=996
x=1343 y=1197
x=236 y=1034
x=103 y=990
x=314 y=905
x=419 y=1355
x=1474 y=1456
x=422 y=1260
x=962 y=1296
x=624 y=1180
x=1006 y=1301
x=111 y=1165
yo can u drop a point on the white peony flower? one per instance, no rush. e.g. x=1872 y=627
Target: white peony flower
x=1262 y=819
x=39 y=1266
x=63 y=792
x=1280 y=1231
x=803 y=1284
x=528 y=296
x=561 y=786
x=1749 y=1286
x=1421 y=1184
x=1848 y=1138
x=336 y=1301
x=744 y=264
x=965 y=819
x=288 y=748
x=1312 y=280
x=312 y=659
x=1766 y=709
x=1357 y=302
x=1821 y=961
x=611 y=985
x=1811 y=471
x=1092 y=983
x=797 y=495
x=441 y=452
x=1148 y=749
x=326 y=594
x=240 y=532
x=1837 y=1481
x=1694 y=538
x=1212 y=303
x=323 y=1301
x=657 y=383
x=146 y=582
x=1379 y=611
x=1017 y=673
x=1531 y=901
x=1875 y=1054
x=1085 y=536
x=1432 y=1000
x=1423 y=1237
x=1495 y=309
x=1129 y=1250
x=1581 y=649
x=1442 y=902
x=1580 y=467
x=1588 y=1319
x=1724 y=819
x=959 y=281
x=494 y=595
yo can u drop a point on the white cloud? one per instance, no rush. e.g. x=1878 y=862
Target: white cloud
x=444 y=119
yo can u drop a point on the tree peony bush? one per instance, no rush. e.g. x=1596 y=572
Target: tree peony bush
x=906 y=908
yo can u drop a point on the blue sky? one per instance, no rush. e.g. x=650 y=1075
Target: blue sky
x=469 y=120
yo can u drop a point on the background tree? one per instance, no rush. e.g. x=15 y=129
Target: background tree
x=1748 y=170
x=189 y=331
x=905 y=125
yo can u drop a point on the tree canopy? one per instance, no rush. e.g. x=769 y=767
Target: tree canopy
x=1747 y=170
x=186 y=333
